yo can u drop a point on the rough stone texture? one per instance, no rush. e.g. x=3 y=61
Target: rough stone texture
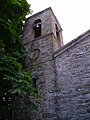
x=63 y=72
x=73 y=80
x=43 y=66
x=48 y=21
x=40 y=61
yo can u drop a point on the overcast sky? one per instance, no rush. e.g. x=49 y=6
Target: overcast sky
x=73 y=15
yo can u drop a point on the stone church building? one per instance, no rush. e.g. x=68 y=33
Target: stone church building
x=61 y=73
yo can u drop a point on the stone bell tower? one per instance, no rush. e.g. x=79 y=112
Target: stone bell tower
x=42 y=37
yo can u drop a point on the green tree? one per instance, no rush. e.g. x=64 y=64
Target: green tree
x=13 y=79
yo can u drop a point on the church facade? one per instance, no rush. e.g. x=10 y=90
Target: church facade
x=61 y=72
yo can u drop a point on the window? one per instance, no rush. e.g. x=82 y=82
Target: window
x=34 y=79
x=34 y=83
x=57 y=32
x=37 y=28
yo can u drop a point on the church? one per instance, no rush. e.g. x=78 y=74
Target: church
x=61 y=73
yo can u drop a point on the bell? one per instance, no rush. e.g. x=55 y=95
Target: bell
x=37 y=25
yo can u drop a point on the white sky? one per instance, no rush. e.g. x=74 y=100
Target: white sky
x=73 y=15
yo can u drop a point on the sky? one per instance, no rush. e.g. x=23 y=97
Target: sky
x=73 y=15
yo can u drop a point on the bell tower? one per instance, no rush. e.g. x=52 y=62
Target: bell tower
x=42 y=37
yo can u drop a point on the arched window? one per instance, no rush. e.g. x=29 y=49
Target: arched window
x=57 y=32
x=37 y=28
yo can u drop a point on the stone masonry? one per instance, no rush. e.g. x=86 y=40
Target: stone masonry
x=73 y=79
x=63 y=71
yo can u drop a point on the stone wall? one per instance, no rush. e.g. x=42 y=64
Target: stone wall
x=73 y=79
x=63 y=73
x=39 y=61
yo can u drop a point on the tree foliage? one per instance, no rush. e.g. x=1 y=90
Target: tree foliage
x=13 y=79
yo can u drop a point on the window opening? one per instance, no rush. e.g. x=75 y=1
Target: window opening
x=37 y=28
x=34 y=83
x=57 y=32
